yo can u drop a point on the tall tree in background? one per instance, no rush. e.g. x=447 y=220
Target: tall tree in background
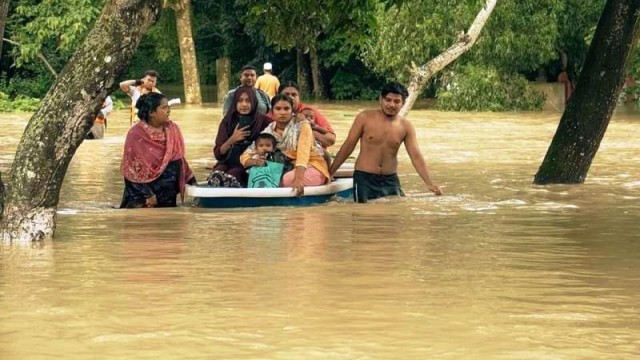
x=190 y=76
x=301 y=24
x=4 y=10
x=585 y=120
x=57 y=128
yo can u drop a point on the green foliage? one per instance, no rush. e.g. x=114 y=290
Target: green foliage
x=576 y=24
x=485 y=89
x=520 y=36
x=20 y=103
x=33 y=81
x=419 y=30
x=164 y=37
x=343 y=26
x=416 y=31
x=147 y=57
x=63 y=23
x=354 y=81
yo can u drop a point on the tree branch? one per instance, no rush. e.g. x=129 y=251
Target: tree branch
x=421 y=75
x=40 y=56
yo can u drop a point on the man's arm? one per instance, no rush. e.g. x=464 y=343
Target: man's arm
x=349 y=144
x=411 y=144
x=127 y=84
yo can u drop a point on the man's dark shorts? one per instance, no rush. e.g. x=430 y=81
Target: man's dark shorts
x=367 y=186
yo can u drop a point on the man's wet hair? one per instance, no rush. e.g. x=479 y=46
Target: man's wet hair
x=267 y=136
x=248 y=67
x=151 y=73
x=394 y=88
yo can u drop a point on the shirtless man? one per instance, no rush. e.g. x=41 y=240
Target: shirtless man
x=381 y=132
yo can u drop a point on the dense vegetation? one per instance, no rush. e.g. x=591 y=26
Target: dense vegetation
x=345 y=50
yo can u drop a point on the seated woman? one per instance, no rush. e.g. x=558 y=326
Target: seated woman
x=238 y=129
x=295 y=140
x=154 y=166
x=322 y=130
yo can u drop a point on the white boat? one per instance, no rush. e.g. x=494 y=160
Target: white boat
x=214 y=197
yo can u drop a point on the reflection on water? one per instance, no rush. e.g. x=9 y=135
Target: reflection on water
x=495 y=269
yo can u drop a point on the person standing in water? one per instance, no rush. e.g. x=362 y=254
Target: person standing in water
x=137 y=88
x=380 y=133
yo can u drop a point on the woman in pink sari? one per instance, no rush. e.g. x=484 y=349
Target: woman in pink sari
x=154 y=166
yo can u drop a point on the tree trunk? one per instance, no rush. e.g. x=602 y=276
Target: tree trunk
x=64 y=116
x=318 y=88
x=190 y=77
x=1 y=196
x=4 y=10
x=420 y=76
x=223 y=78
x=301 y=63
x=587 y=115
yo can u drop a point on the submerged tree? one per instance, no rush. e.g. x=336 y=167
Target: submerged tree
x=585 y=120
x=58 y=127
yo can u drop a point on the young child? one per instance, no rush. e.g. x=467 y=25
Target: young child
x=265 y=145
x=310 y=116
x=269 y=175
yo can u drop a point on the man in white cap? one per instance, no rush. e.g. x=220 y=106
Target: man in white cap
x=267 y=82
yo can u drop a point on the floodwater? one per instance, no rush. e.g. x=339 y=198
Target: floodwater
x=495 y=269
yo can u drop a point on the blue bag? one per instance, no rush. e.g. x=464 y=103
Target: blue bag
x=267 y=176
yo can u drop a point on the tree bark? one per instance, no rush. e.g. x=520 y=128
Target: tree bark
x=1 y=196
x=316 y=77
x=420 y=76
x=190 y=77
x=302 y=77
x=4 y=10
x=585 y=120
x=223 y=78
x=64 y=116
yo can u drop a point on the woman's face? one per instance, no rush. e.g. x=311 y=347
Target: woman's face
x=282 y=112
x=293 y=94
x=160 y=115
x=244 y=104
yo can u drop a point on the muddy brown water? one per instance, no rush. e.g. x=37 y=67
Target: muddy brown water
x=495 y=269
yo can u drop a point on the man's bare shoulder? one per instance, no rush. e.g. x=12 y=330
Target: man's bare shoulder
x=405 y=122
x=369 y=114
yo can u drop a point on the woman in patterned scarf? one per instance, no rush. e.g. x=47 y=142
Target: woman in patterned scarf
x=154 y=166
